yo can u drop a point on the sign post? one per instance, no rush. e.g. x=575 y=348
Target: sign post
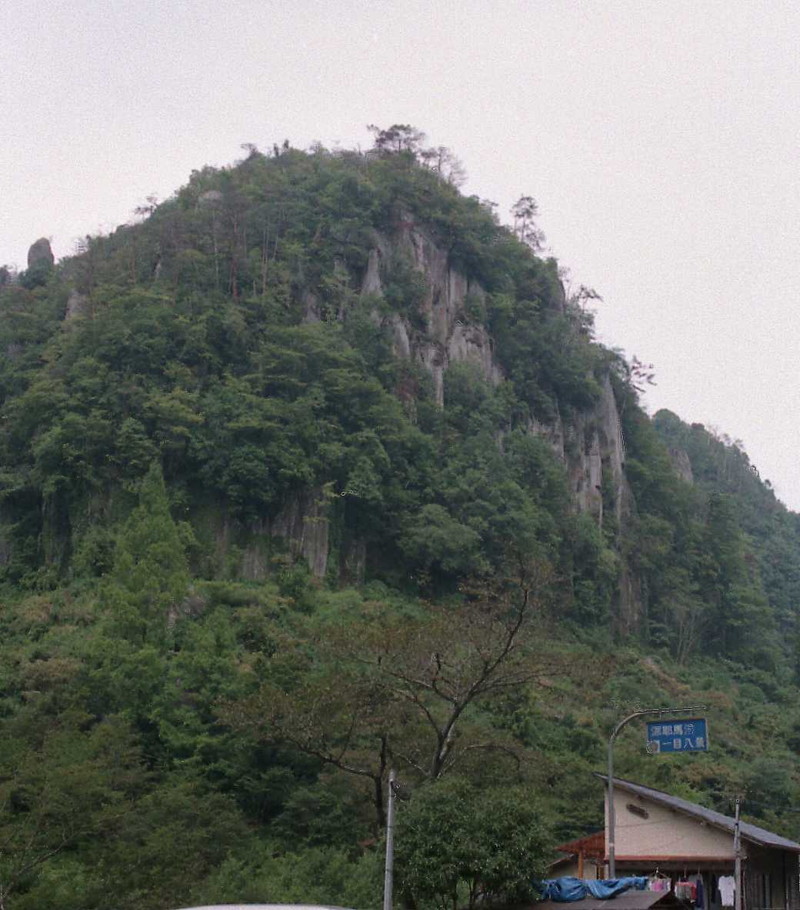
x=660 y=713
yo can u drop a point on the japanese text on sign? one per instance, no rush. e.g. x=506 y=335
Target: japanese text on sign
x=678 y=735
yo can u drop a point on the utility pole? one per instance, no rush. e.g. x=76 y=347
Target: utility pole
x=737 y=860
x=612 y=862
x=388 y=876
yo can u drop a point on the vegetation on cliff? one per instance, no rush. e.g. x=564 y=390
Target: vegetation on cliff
x=252 y=555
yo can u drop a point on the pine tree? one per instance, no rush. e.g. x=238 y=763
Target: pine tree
x=150 y=574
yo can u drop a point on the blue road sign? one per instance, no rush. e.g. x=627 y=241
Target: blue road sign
x=677 y=735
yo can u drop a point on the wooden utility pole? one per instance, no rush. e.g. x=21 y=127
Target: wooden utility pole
x=737 y=859
x=388 y=875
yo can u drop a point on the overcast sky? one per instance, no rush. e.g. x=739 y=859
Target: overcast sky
x=660 y=138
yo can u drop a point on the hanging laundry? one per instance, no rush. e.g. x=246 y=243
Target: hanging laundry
x=699 y=901
x=727 y=886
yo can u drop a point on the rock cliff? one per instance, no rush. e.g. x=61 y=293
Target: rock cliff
x=590 y=443
x=443 y=326
x=446 y=335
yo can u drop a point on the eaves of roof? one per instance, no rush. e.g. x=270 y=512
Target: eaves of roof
x=749 y=832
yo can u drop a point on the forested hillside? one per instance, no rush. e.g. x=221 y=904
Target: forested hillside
x=316 y=470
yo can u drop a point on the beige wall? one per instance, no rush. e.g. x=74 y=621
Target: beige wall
x=664 y=832
x=570 y=868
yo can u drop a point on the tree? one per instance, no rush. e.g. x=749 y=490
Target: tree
x=444 y=163
x=168 y=843
x=441 y=666
x=387 y=685
x=583 y=296
x=433 y=539
x=459 y=845
x=730 y=585
x=400 y=137
x=337 y=716
x=525 y=211
x=53 y=794
x=641 y=374
x=150 y=572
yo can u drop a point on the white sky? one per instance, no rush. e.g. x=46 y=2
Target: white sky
x=660 y=138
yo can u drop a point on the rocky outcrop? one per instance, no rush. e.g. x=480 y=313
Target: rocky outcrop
x=444 y=332
x=247 y=550
x=434 y=320
x=682 y=464
x=597 y=468
x=590 y=443
x=303 y=523
x=353 y=562
x=371 y=283
x=591 y=446
x=41 y=254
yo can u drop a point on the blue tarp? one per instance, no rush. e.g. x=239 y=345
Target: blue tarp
x=566 y=890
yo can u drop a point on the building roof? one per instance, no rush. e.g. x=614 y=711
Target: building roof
x=628 y=900
x=749 y=832
x=591 y=845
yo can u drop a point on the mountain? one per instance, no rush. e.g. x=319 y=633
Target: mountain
x=316 y=469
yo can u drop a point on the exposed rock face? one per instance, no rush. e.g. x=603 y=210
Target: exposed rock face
x=353 y=562
x=40 y=253
x=602 y=458
x=311 y=310
x=303 y=522
x=437 y=333
x=682 y=464
x=591 y=446
x=448 y=336
x=372 y=278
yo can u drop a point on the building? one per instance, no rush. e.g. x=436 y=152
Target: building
x=583 y=858
x=661 y=835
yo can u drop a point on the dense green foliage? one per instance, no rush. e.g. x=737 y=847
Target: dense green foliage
x=199 y=406
x=225 y=338
x=460 y=845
